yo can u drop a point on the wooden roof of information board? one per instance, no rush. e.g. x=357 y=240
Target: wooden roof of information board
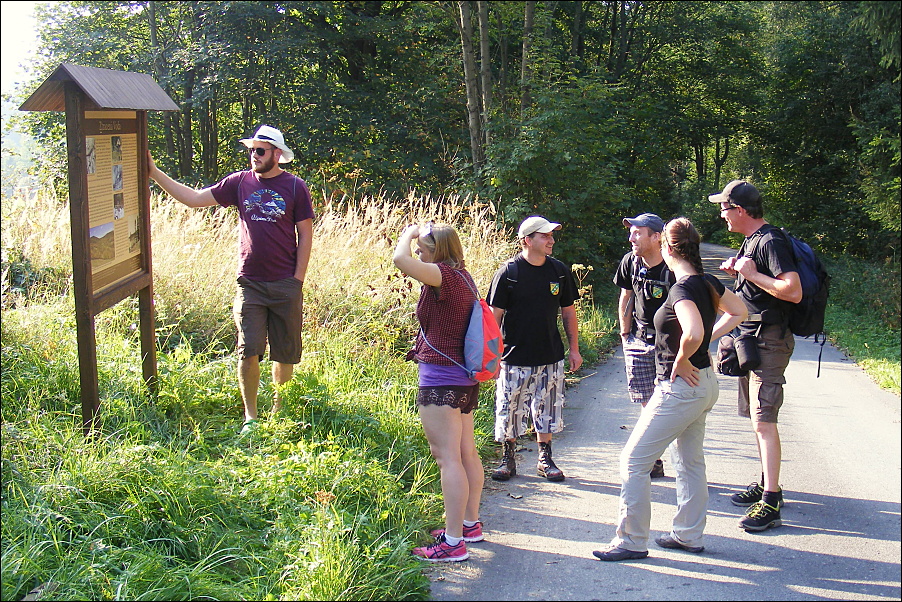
x=104 y=88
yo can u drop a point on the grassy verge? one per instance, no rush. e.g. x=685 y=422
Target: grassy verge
x=863 y=316
x=323 y=502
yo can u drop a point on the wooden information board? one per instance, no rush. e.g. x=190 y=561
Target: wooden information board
x=114 y=206
x=109 y=203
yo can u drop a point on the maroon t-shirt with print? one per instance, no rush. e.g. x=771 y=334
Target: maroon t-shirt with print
x=269 y=209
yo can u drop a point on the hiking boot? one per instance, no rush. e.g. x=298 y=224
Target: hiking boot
x=508 y=466
x=615 y=554
x=667 y=541
x=440 y=551
x=471 y=534
x=546 y=467
x=657 y=471
x=752 y=495
x=761 y=516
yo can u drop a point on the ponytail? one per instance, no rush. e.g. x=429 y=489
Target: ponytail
x=684 y=240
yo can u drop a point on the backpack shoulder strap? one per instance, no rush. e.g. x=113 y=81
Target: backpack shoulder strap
x=511 y=273
x=560 y=268
x=471 y=284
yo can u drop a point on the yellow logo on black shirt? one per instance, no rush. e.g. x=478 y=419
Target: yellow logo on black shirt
x=555 y=288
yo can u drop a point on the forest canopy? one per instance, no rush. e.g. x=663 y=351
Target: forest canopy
x=581 y=111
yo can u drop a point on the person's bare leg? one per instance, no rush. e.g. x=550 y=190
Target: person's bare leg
x=771 y=454
x=472 y=466
x=248 y=384
x=444 y=427
x=281 y=374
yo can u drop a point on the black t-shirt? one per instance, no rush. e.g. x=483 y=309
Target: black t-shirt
x=669 y=332
x=649 y=286
x=532 y=305
x=772 y=254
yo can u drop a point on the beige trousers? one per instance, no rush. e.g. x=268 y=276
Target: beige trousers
x=676 y=413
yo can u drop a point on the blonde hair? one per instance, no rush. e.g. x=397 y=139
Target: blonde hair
x=444 y=243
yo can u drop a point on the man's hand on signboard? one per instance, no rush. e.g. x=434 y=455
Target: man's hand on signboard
x=183 y=194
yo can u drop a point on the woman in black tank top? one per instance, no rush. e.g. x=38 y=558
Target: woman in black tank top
x=685 y=391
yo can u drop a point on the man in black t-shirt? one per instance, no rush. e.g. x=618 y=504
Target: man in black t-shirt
x=767 y=281
x=527 y=294
x=644 y=280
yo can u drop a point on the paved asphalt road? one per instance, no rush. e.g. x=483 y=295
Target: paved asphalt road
x=841 y=476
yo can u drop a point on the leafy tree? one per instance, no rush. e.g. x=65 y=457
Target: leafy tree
x=826 y=86
x=586 y=111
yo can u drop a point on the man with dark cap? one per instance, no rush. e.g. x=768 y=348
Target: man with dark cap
x=644 y=280
x=275 y=239
x=767 y=281
x=527 y=295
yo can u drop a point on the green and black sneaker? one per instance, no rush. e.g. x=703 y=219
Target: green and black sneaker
x=760 y=517
x=751 y=495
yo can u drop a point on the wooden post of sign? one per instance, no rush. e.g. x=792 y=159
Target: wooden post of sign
x=81 y=257
x=146 y=313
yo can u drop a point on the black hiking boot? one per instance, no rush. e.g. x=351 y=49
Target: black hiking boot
x=508 y=466
x=546 y=467
x=657 y=471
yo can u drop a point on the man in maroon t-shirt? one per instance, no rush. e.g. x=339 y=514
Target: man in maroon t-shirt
x=274 y=240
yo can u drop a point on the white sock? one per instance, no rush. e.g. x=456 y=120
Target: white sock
x=471 y=523
x=452 y=541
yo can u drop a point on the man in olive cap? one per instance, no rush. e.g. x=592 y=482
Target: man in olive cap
x=767 y=280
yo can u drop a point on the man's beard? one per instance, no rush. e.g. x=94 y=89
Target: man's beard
x=266 y=165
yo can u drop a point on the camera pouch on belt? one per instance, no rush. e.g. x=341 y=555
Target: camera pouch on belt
x=727 y=359
x=643 y=334
x=747 y=352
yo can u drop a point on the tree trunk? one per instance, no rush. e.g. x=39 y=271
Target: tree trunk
x=550 y=8
x=701 y=170
x=576 y=46
x=208 y=129
x=159 y=72
x=472 y=84
x=485 y=68
x=720 y=158
x=525 y=68
x=622 y=44
x=184 y=146
x=503 y=71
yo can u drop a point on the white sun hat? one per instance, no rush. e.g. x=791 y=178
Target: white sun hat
x=266 y=133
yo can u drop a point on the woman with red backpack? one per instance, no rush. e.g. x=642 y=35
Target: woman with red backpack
x=447 y=395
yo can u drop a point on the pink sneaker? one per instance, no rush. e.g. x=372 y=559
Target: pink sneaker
x=471 y=534
x=440 y=551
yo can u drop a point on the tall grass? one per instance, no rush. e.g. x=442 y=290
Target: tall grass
x=863 y=317
x=324 y=501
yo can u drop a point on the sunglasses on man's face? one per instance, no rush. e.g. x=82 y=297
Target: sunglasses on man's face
x=259 y=151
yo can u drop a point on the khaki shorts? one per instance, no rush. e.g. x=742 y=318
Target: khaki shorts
x=762 y=389
x=273 y=312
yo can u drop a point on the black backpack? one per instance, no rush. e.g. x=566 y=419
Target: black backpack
x=806 y=317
